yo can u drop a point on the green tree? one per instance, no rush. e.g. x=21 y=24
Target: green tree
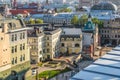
x=100 y=24
x=74 y=20
x=39 y=21
x=65 y=10
x=26 y=22
x=83 y=19
x=31 y=21
x=95 y=21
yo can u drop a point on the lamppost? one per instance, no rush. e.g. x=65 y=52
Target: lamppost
x=36 y=73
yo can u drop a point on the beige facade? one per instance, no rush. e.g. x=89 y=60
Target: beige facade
x=36 y=41
x=44 y=44
x=14 y=44
x=71 y=41
x=52 y=40
x=71 y=44
x=5 y=61
x=109 y=34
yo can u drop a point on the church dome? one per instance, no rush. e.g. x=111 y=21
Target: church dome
x=104 y=6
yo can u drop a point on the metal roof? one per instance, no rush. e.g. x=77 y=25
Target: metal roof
x=105 y=68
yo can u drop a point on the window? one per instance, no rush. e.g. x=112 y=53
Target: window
x=62 y=44
x=23 y=35
x=77 y=45
x=24 y=57
x=13 y=61
x=47 y=44
x=43 y=50
x=118 y=36
x=20 y=46
x=115 y=36
x=12 y=39
x=16 y=48
x=40 y=52
x=48 y=50
x=12 y=50
x=105 y=31
x=47 y=38
x=20 y=35
x=15 y=37
x=35 y=41
x=21 y=58
x=24 y=46
x=16 y=60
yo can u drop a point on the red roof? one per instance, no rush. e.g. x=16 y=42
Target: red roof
x=21 y=11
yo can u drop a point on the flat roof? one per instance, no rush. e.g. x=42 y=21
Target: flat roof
x=105 y=68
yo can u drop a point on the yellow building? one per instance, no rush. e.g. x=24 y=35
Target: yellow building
x=14 y=46
x=71 y=41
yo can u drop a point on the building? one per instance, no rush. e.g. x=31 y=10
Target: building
x=59 y=1
x=44 y=42
x=15 y=49
x=105 y=10
x=71 y=41
x=61 y=18
x=52 y=43
x=105 y=68
x=109 y=33
x=90 y=37
x=36 y=43
x=87 y=3
x=5 y=61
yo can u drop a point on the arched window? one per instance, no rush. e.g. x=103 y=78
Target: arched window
x=62 y=44
x=77 y=45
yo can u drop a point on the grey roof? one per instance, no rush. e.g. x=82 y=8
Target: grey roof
x=51 y=31
x=70 y=36
x=72 y=31
x=105 y=68
x=105 y=6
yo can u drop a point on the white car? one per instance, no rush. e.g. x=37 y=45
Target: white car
x=33 y=71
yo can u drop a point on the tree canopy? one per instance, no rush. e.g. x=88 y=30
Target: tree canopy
x=65 y=10
x=74 y=20
x=34 y=21
x=83 y=20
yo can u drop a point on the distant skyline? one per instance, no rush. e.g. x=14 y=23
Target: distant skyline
x=25 y=0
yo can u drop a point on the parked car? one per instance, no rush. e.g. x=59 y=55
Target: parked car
x=34 y=71
x=108 y=45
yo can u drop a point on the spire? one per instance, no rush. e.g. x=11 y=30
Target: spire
x=89 y=17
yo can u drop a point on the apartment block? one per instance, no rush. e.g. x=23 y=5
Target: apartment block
x=15 y=58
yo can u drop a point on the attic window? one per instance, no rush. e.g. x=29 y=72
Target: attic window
x=12 y=25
